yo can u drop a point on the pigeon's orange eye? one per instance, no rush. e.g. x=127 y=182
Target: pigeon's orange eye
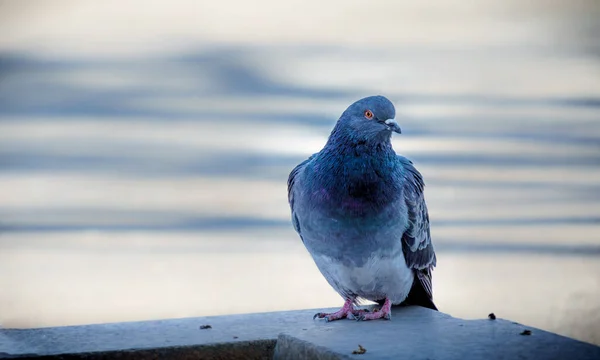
x=368 y=114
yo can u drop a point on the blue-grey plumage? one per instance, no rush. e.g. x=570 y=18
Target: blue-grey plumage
x=360 y=211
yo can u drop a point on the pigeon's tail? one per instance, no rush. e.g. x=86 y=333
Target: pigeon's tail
x=418 y=296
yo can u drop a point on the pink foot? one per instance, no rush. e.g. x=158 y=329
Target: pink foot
x=347 y=311
x=384 y=313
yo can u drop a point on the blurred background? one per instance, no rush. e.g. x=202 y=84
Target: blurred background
x=145 y=148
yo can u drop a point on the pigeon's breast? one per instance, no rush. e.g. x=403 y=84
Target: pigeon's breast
x=352 y=222
x=355 y=196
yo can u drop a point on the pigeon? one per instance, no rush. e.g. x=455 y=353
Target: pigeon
x=360 y=211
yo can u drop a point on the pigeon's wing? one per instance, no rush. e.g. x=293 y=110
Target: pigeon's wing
x=291 y=184
x=416 y=240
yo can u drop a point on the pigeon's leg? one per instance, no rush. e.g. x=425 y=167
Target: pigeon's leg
x=384 y=313
x=347 y=311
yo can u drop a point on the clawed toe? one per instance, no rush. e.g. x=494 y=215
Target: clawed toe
x=345 y=312
x=348 y=312
x=330 y=317
x=374 y=316
x=384 y=313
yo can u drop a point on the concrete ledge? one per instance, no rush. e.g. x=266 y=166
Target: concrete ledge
x=414 y=332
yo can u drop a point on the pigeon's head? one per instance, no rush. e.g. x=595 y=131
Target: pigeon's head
x=370 y=118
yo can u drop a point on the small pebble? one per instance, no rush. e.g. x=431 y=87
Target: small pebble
x=360 y=350
x=492 y=316
x=526 y=332
x=203 y=327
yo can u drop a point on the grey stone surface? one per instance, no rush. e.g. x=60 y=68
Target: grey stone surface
x=414 y=332
x=156 y=334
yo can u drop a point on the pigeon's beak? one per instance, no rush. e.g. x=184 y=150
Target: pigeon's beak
x=393 y=126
